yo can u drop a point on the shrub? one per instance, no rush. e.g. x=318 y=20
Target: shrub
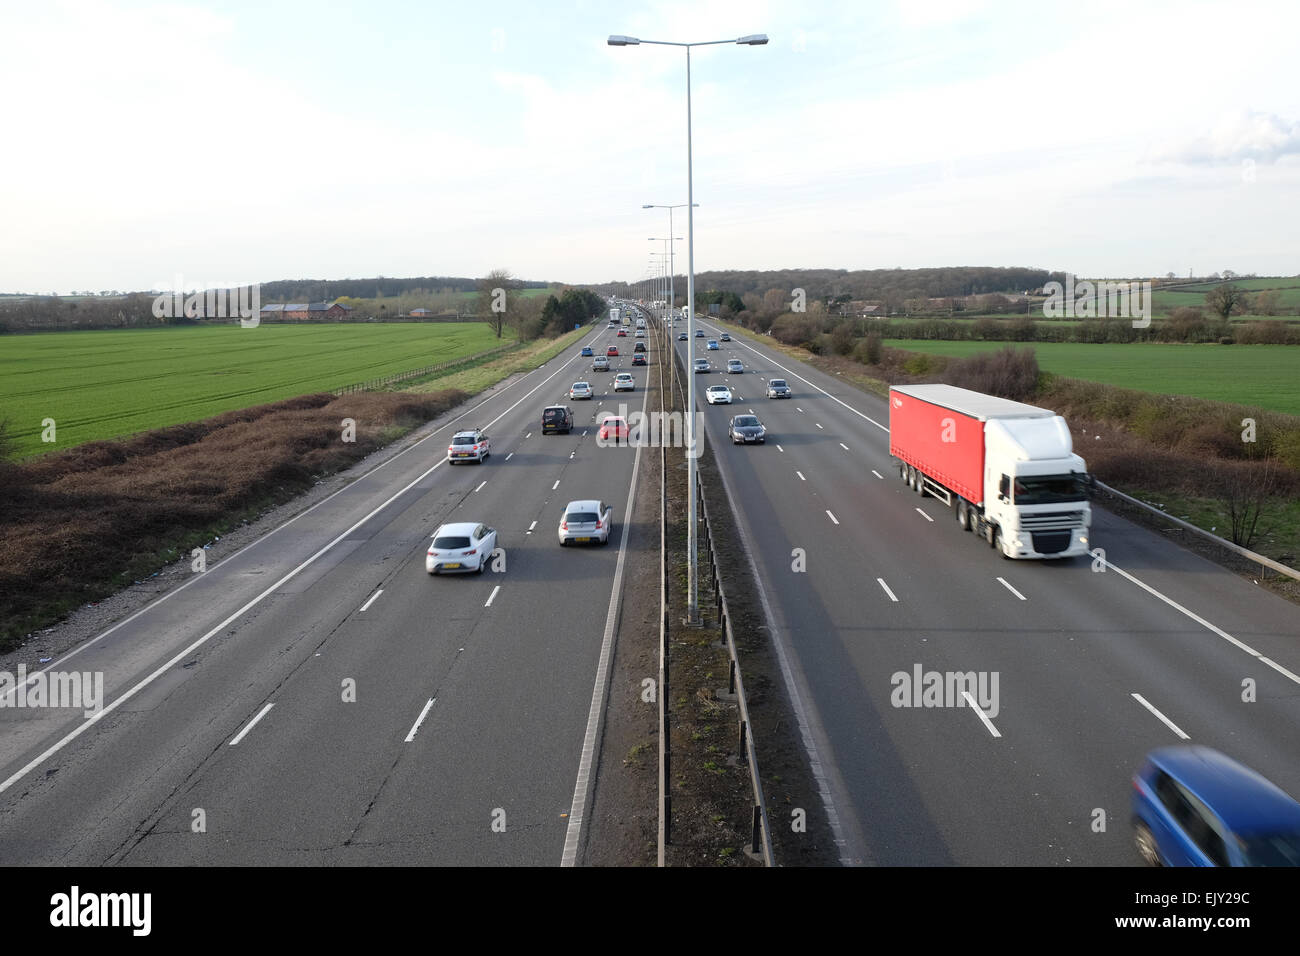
x=1010 y=373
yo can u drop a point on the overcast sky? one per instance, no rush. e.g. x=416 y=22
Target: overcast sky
x=251 y=141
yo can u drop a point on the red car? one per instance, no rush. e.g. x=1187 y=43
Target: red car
x=612 y=350
x=622 y=333
x=613 y=429
x=638 y=359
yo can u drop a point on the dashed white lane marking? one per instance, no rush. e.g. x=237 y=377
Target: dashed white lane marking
x=833 y=518
x=818 y=424
x=509 y=456
x=881 y=582
x=480 y=486
x=931 y=520
x=374 y=597
x=1004 y=583
x=780 y=449
x=801 y=477
x=877 y=474
x=529 y=435
x=492 y=596
x=844 y=446
x=531 y=527
x=419 y=720
x=556 y=485
x=979 y=712
x=251 y=724
x=1162 y=718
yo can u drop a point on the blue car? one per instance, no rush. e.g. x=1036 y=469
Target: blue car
x=713 y=345
x=1193 y=806
x=587 y=352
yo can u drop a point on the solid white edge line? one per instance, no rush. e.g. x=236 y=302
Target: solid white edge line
x=419 y=720
x=595 y=714
x=247 y=727
x=1163 y=719
x=374 y=597
x=231 y=618
x=1003 y=582
x=492 y=596
x=881 y=582
x=979 y=711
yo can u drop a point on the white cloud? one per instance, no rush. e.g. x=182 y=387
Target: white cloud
x=1263 y=137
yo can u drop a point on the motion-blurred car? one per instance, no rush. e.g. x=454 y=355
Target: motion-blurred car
x=746 y=429
x=1194 y=806
x=681 y=337
x=776 y=388
x=717 y=395
x=471 y=445
x=580 y=390
x=725 y=336
x=586 y=522
x=699 y=333
x=461 y=546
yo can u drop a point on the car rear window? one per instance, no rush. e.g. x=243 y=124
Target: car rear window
x=553 y=414
x=581 y=517
x=463 y=440
x=447 y=543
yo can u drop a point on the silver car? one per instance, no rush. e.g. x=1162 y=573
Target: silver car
x=701 y=365
x=586 y=522
x=777 y=388
x=580 y=390
x=734 y=366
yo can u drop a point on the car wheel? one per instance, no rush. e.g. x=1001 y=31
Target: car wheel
x=481 y=563
x=1146 y=845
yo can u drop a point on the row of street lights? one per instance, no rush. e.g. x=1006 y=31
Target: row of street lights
x=692 y=543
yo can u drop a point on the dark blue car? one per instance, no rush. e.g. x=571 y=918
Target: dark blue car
x=1193 y=806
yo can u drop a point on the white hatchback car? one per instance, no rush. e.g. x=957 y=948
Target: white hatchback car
x=580 y=390
x=623 y=382
x=470 y=445
x=585 y=522
x=461 y=546
x=718 y=395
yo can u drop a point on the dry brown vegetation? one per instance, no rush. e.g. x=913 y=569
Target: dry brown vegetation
x=77 y=525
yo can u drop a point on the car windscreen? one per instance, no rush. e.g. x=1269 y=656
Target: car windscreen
x=450 y=543
x=777 y=383
x=1049 y=489
x=581 y=517
x=746 y=421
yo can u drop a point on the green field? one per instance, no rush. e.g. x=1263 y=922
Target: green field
x=1267 y=376
x=1193 y=296
x=107 y=384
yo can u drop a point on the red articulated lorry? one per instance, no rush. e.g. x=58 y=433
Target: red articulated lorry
x=1007 y=469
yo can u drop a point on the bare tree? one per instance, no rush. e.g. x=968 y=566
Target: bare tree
x=495 y=298
x=1223 y=300
x=1246 y=489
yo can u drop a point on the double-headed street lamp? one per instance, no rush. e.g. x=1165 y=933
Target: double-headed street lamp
x=692 y=543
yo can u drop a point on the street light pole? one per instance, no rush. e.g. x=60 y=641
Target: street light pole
x=692 y=439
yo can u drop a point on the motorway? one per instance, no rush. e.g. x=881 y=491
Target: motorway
x=318 y=699
x=1097 y=662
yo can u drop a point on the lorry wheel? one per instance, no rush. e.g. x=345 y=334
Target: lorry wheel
x=919 y=487
x=905 y=472
x=991 y=535
x=963 y=516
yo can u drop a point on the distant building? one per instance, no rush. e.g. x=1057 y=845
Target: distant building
x=421 y=313
x=305 y=311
